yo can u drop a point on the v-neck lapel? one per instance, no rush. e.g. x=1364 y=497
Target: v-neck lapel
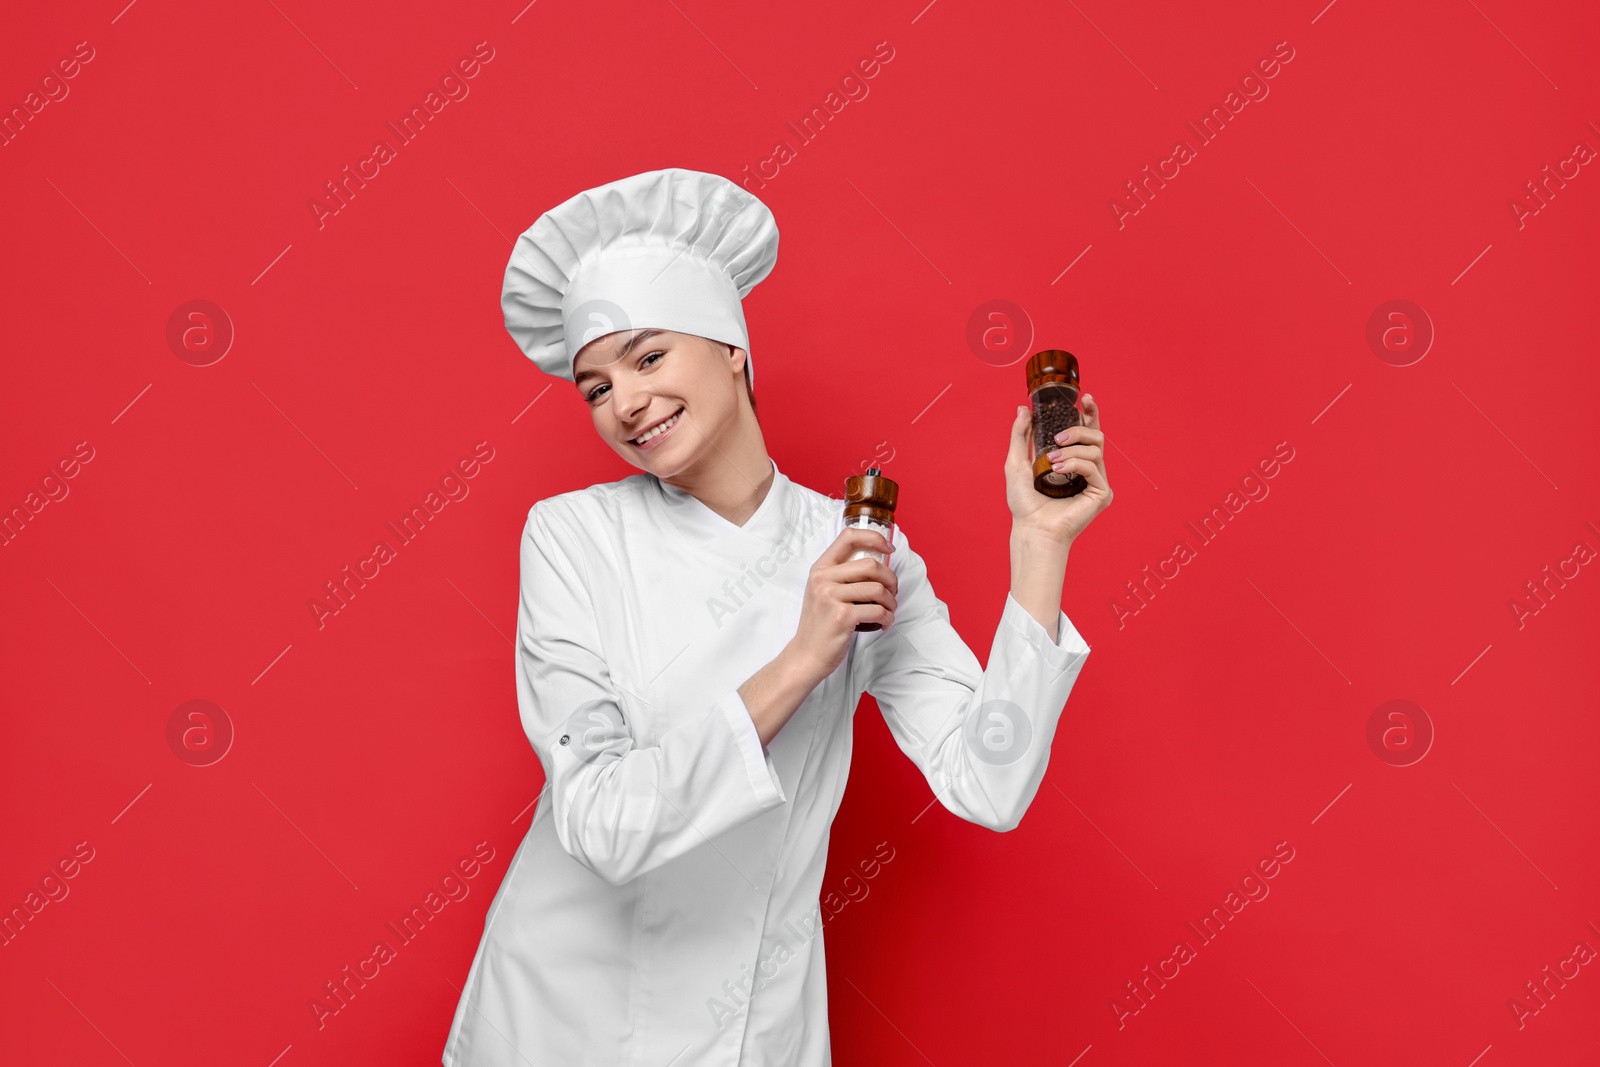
x=691 y=514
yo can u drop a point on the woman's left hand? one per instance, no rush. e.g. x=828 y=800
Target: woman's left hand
x=1058 y=520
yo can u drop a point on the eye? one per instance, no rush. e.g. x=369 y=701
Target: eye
x=594 y=393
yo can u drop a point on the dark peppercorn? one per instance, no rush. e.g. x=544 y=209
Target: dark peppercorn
x=1053 y=394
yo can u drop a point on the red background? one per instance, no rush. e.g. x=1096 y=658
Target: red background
x=1226 y=316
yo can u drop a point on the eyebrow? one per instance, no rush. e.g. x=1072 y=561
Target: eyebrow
x=627 y=346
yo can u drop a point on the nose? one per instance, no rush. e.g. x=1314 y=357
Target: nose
x=628 y=399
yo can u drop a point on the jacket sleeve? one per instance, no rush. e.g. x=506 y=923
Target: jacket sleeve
x=981 y=736
x=621 y=809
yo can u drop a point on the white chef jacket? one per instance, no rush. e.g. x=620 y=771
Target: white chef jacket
x=663 y=908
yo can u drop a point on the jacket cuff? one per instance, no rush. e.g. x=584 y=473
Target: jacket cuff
x=753 y=754
x=1059 y=655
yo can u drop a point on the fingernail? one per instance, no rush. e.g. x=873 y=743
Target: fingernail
x=1054 y=454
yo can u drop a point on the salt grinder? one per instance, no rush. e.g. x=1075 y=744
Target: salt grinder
x=1053 y=395
x=869 y=502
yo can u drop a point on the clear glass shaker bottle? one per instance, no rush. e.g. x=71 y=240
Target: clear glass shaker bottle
x=869 y=503
x=1053 y=396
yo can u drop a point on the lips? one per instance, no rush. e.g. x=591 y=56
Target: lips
x=637 y=443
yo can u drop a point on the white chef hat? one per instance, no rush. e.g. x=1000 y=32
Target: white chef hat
x=667 y=249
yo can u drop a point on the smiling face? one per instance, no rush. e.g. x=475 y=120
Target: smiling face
x=682 y=393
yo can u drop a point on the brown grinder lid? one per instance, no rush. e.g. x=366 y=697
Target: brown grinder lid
x=1052 y=365
x=872 y=489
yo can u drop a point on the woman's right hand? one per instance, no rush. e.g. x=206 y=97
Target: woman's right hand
x=840 y=593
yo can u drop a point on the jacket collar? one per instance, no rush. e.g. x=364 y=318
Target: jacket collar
x=775 y=514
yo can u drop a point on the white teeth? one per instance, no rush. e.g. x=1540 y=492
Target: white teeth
x=660 y=429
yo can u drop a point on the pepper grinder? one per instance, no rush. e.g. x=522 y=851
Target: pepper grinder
x=869 y=502
x=1053 y=396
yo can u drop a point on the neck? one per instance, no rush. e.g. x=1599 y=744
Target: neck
x=734 y=475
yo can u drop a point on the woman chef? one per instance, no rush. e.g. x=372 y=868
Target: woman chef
x=687 y=666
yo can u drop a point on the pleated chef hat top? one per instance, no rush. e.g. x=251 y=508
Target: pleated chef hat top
x=667 y=249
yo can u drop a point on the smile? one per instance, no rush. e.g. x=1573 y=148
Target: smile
x=652 y=436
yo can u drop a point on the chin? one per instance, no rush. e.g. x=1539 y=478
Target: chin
x=653 y=465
